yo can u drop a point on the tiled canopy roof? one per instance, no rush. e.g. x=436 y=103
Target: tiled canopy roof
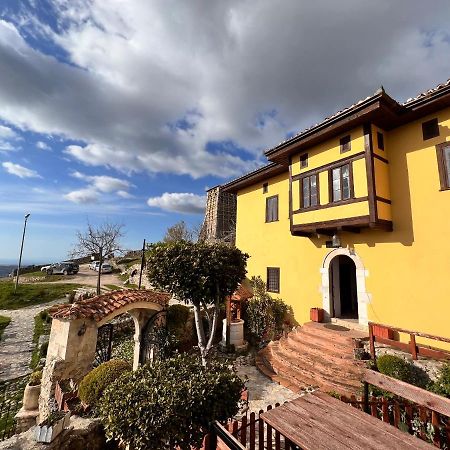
x=427 y=93
x=242 y=293
x=99 y=307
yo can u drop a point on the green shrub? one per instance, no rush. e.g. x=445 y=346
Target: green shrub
x=180 y=323
x=170 y=403
x=35 y=378
x=403 y=370
x=266 y=318
x=97 y=380
x=442 y=384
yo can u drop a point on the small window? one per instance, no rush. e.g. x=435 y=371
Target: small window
x=303 y=160
x=309 y=192
x=380 y=140
x=341 y=184
x=273 y=279
x=272 y=208
x=443 y=156
x=345 y=144
x=430 y=129
x=265 y=188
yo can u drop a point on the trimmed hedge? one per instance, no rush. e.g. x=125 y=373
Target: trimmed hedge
x=403 y=370
x=170 y=404
x=97 y=380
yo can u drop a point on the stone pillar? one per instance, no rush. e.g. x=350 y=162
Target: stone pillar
x=71 y=352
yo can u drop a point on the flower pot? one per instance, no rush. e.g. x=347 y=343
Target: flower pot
x=48 y=433
x=382 y=332
x=62 y=396
x=31 y=397
x=316 y=314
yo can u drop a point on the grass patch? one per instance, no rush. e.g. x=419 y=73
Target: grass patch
x=4 y=322
x=42 y=325
x=32 y=294
x=43 y=277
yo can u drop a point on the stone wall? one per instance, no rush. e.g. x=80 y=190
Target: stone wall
x=83 y=434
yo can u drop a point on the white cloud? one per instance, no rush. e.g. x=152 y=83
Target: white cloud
x=20 y=171
x=42 y=146
x=104 y=183
x=124 y=194
x=152 y=98
x=7 y=133
x=187 y=203
x=87 y=195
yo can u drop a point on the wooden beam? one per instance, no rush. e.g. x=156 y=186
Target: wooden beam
x=409 y=392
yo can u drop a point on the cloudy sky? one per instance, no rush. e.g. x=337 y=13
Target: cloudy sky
x=128 y=110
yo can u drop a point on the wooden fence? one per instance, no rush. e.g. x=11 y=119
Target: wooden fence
x=252 y=433
x=412 y=347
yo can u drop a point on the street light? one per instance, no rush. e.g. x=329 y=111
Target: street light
x=21 y=249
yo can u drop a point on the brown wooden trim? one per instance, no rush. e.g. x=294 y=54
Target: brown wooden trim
x=380 y=158
x=249 y=179
x=329 y=166
x=409 y=392
x=358 y=220
x=267 y=209
x=370 y=171
x=383 y=200
x=331 y=226
x=267 y=279
x=290 y=192
x=332 y=205
x=442 y=169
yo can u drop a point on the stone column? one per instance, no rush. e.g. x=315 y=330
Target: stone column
x=71 y=352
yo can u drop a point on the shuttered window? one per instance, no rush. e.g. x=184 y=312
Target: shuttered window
x=341 y=183
x=272 y=208
x=309 y=194
x=345 y=144
x=443 y=157
x=273 y=279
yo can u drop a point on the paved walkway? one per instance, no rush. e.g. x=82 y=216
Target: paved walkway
x=262 y=391
x=17 y=345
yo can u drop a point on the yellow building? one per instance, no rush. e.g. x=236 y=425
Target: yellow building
x=353 y=214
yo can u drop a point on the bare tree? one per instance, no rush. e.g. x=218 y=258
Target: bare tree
x=178 y=232
x=101 y=241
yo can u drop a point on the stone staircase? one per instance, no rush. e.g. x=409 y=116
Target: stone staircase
x=315 y=355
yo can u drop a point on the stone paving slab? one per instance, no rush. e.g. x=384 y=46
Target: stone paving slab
x=17 y=344
x=262 y=391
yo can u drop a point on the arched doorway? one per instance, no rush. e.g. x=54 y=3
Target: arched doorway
x=343 y=289
x=361 y=273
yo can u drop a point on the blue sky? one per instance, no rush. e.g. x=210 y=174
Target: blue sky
x=128 y=111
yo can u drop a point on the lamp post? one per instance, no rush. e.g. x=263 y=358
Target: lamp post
x=21 y=250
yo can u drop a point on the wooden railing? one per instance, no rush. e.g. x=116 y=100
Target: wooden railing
x=411 y=407
x=250 y=432
x=412 y=347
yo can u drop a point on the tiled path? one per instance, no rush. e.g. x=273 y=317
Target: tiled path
x=17 y=345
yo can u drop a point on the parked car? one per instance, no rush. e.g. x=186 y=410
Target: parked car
x=64 y=268
x=93 y=265
x=76 y=267
x=45 y=268
x=106 y=268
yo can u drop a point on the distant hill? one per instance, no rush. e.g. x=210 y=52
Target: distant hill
x=5 y=270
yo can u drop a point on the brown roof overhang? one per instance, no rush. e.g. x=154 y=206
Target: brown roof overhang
x=256 y=176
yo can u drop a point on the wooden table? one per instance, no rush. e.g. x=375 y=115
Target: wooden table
x=317 y=421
